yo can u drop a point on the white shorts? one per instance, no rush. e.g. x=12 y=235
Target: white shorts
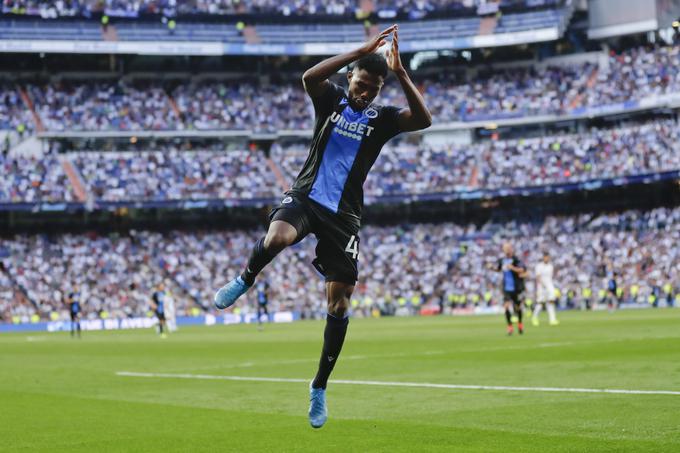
x=545 y=294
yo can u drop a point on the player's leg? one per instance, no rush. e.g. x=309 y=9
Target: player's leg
x=280 y=235
x=337 y=254
x=508 y=314
x=160 y=324
x=537 y=311
x=288 y=225
x=73 y=324
x=550 y=308
x=78 y=324
x=519 y=309
x=337 y=320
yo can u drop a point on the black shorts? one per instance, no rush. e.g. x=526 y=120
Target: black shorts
x=75 y=315
x=337 y=249
x=161 y=315
x=512 y=296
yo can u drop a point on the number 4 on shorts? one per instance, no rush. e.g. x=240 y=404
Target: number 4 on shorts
x=353 y=247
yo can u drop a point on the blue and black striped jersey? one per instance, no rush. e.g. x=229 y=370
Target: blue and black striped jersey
x=345 y=146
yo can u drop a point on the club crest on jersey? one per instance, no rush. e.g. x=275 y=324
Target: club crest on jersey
x=353 y=129
x=371 y=113
x=287 y=200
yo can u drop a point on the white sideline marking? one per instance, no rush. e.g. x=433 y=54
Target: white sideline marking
x=399 y=384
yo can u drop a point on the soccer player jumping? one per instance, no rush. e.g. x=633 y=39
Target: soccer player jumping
x=327 y=196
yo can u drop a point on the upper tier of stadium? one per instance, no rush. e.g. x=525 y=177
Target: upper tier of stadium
x=414 y=9
x=638 y=78
x=265 y=27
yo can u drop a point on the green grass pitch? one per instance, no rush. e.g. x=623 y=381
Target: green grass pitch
x=59 y=394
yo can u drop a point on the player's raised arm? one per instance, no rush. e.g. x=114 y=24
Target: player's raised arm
x=315 y=79
x=416 y=116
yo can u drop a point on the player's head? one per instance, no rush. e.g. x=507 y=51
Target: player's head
x=546 y=257
x=161 y=286
x=507 y=249
x=366 y=78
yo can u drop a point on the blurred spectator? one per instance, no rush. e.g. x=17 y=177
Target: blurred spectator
x=174 y=175
x=33 y=180
x=13 y=113
x=79 y=106
x=402 y=268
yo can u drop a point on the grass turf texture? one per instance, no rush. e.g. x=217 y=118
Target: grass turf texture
x=60 y=394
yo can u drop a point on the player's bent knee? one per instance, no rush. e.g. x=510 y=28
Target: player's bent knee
x=338 y=308
x=339 y=298
x=277 y=241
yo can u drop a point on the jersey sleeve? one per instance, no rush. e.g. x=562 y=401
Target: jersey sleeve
x=390 y=122
x=324 y=104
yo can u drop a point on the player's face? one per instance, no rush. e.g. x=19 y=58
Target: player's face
x=363 y=88
x=546 y=258
x=507 y=249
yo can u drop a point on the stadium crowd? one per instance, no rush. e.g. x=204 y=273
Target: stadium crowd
x=403 y=168
x=33 y=179
x=403 y=268
x=113 y=275
x=96 y=106
x=244 y=104
x=176 y=175
x=406 y=168
x=13 y=113
x=129 y=8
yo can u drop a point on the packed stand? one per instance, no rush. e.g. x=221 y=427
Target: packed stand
x=405 y=168
x=438 y=264
x=99 y=106
x=175 y=175
x=33 y=179
x=246 y=105
x=402 y=268
x=114 y=275
x=13 y=112
x=13 y=305
x=127 y=8
x=402 y=169
x=243 y=105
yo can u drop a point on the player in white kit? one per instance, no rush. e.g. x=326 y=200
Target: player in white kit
x=545 y=290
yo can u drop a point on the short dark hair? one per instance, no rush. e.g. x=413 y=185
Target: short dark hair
x=373 y=63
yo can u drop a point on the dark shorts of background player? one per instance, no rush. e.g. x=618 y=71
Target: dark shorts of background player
x=160 y=315
x=75 y=315
x=332 y=231
x=512 y=296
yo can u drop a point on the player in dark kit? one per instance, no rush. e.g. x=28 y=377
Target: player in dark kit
x=158 y=305
x=73 y=302
x=512 y=285
x=262 y=301
x=327 y=196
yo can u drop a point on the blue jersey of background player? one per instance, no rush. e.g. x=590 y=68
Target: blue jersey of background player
x=158 y=305
x=513 y=273
x=73 y=302
x=612 y=297
x=262 y=300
